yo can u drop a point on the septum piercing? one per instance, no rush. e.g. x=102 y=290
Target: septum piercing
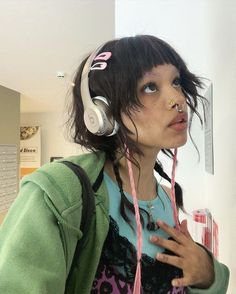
x=180 y=110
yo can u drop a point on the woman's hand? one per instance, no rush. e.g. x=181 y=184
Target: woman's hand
x=195 y=262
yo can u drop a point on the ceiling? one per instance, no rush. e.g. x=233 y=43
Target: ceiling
x=40 y=38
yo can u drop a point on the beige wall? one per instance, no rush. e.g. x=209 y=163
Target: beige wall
x=9 y=120
x=9 y=116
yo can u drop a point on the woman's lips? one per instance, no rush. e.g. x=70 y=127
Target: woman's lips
x=179 y=126
x=180 y=122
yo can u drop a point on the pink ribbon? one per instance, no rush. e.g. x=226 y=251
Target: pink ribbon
x=173 y=200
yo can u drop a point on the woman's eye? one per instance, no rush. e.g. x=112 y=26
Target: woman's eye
x=177 y=82
x=150 y=88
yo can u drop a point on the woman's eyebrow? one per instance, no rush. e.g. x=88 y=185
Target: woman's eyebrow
x=150 y=74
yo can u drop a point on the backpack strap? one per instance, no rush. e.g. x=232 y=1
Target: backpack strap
x=87 y=194
x=88 y=207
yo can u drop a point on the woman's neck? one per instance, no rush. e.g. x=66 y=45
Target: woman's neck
x=143 y=171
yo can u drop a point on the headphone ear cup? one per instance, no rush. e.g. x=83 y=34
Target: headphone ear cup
x=98 y=119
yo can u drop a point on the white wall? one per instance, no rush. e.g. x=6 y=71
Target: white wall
x=55 y=141
x=203 y=32
x=76 y=27
x=42 y=37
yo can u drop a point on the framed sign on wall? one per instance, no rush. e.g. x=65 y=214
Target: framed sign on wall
x=30 y=149
x=208 y=130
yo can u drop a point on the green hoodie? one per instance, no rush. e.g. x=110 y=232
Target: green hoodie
x=40 y=232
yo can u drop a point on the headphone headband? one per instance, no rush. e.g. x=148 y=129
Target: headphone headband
x=97 y=117
x=85 y=93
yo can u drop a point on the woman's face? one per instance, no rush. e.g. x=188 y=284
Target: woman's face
x=159 y=125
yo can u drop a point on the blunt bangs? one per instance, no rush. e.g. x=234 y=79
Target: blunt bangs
x=131 y=58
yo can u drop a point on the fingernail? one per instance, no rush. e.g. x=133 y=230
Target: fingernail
x=153 y=238
x=174 y=283
x=159 y=256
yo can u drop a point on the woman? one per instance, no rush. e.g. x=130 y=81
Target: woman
x=141 y=92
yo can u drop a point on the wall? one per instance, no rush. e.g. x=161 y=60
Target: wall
x=47 y=111
x=9 y=120
x=55 y=141
x=203 y=32
x=41 y=38
x=9 y=116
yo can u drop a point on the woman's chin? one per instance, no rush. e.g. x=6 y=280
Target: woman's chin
x=178 y=143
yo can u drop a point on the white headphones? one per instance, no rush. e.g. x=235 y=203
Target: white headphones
x=97 y=117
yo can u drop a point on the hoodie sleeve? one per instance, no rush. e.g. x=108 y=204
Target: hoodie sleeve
x=32 y=258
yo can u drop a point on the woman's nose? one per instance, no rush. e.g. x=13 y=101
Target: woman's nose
x=176 y=99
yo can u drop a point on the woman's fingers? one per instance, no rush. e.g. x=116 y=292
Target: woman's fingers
x=177 y=235
x=171 y=245
x=181 y=238
x=181 y=282
x=171 y=259
x=196 y=264
x=184 y=228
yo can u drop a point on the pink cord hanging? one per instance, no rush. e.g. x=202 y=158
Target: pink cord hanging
x=173 y=201
x=137 y=281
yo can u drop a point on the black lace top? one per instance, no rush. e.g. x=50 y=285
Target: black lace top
x=116 y=270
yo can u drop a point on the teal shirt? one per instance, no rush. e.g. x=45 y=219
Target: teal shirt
x=40 y=232
x=161 y=210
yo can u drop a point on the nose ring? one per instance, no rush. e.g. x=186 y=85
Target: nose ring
x=172 y=103
x=175 y=105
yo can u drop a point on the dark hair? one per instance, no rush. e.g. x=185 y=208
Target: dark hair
x=131 y=58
